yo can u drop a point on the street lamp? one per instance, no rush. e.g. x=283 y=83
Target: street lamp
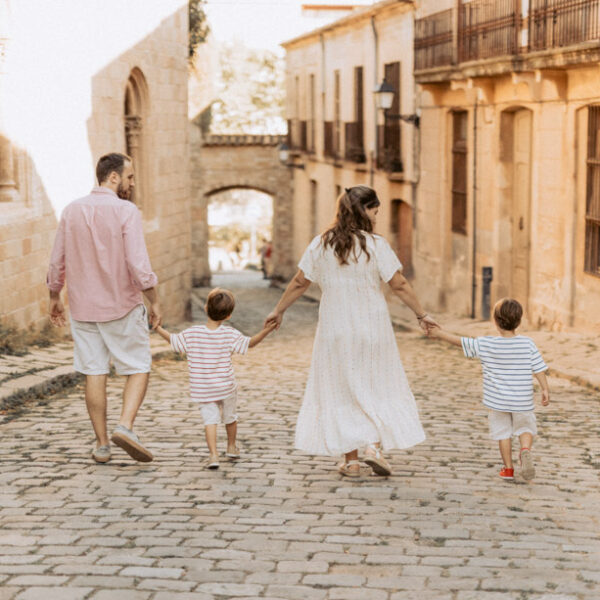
x=384 y=98
x=284 y=153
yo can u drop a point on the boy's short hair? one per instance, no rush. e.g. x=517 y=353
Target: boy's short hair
x=219 y=304
x=508 y=313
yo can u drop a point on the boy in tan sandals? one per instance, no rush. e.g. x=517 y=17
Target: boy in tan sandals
x=212 y=383
x=508 y=362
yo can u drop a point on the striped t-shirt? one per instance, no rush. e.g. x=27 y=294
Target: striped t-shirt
x=508 y=364
x=209 y=359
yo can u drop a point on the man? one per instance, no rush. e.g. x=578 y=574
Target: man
x=100 y=250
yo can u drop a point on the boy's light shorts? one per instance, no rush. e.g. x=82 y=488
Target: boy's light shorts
x=222 y=411
x=505 y=425
x=125 y=340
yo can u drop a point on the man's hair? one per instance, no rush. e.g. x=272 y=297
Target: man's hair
x=507 y=314
x=219 y=304
x=114 y=161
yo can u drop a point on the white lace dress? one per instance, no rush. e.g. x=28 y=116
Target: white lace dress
x=357 y=392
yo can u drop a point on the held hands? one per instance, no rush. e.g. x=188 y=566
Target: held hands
x=155 y=315
x=273 y=320
x=428 y=325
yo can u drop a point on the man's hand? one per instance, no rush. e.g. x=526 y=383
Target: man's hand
x=57 y=310
x=545 y=397
x=433 y=331
x=273 y=320
x=155 y=315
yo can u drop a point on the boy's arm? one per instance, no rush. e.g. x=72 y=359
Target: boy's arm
x=164 y=333
x=440 y=334
x=259 y=337
x=543 y=381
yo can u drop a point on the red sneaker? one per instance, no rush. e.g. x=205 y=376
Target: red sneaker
x=507 y=473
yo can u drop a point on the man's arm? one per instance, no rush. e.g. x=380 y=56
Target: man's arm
x=55 y=279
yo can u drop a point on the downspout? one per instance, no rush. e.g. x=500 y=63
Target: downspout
x=322 y=39
x=375 y=70
x=473 y=258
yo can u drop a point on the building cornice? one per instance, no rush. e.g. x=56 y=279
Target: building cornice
x=359 y=15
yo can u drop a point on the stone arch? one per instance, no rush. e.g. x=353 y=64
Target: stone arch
x=220 y=163
x=136 y=110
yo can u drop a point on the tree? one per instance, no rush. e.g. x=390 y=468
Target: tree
x=198 y=26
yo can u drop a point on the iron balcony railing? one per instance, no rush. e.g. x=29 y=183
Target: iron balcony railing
x=389 y=156
x=486 y=29
x=559 y=23
x=354 y=138
x=329 y=148
x=434 y=40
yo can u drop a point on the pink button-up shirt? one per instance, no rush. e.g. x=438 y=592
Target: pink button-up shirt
x=100 y=248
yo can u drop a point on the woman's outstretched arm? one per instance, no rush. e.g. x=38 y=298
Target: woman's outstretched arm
x=402 y=288
x=295 y=288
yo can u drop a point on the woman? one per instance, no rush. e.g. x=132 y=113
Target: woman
x=357 y=393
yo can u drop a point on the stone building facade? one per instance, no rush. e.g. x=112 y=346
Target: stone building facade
x=224 y=162
x=115 y=82
x=338 y=138
x=501 y=170
x=510 y=100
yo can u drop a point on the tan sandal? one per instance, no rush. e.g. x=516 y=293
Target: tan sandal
x=344 y=470
x=376 y=461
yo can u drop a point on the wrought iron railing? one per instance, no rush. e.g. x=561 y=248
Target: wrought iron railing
x=557 y=23
x=354 y=138
x=488 y=28
x=389 y=156
x=434 y=45
x=328 y=140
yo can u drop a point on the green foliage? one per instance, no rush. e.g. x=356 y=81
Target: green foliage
x=198 y=26
x=250 y=92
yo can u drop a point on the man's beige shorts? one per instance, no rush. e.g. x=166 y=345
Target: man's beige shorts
x=126 y=341
x=505 y=425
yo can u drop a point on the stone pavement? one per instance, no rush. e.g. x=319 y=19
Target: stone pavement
x=281 y=525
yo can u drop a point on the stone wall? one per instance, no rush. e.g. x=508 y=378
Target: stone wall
x=222 y=162
x=54 y=144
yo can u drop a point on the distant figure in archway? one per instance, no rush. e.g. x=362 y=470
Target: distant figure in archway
x=357 y=393
x=100 y=250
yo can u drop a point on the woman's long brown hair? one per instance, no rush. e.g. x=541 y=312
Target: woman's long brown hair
x=351 y=221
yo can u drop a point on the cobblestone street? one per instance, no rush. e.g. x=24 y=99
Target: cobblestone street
x=277 y=524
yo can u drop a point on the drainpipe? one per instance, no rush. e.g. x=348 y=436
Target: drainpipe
x=474 y=266
x=375 y=71
x=322 y=39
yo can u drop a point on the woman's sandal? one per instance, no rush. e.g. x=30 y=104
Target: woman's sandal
x=344 y=470
x=376 y=461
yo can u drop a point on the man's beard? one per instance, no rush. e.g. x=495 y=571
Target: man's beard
x=122 y=193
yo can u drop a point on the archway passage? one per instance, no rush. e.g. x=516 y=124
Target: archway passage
x=240 y=229
x=240 y=162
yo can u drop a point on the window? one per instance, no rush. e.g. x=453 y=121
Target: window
x=313 y=208
x=459 y=171
x=389 y=152
x=355 y=130
x=312 y=104
x=592 y=205
x=337 y=115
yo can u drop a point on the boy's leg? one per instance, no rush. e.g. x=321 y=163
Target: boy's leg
x=506 y=452
x=230 y=419
x=526 y=428
x=526 y=440
x=231 y=429
x=211 y=439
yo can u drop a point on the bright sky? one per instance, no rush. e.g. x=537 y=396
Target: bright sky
x=265 y=23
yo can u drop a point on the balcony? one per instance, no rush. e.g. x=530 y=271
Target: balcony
x=297 y=135
x=491 y=37
x=329 y=149
x=355 y=151
x=389 y=156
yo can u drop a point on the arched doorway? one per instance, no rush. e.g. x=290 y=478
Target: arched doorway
x=136 y=111
x=240 y=231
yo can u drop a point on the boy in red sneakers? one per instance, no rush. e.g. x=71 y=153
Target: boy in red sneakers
x=508 y=361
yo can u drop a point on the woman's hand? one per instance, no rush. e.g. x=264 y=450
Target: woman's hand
x=427 y=323
x=273 y=319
